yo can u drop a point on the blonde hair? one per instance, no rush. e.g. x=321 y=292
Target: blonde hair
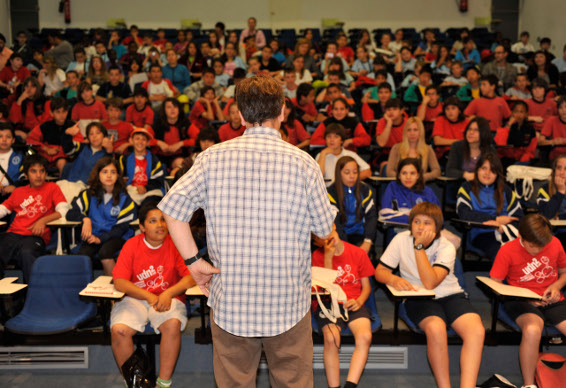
x=422 y=147
x=51 y=66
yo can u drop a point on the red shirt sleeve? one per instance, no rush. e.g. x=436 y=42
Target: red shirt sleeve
x=302 y=133
x=196 y=112
x=130 y=114
x=123 y=267
x=505 y=111
x=501 y=136
x=471 y=109
x=500 y=267
x=361 y=137
x=192 y=132
x=16 y=114
x=35 y=137
x=547 y=129
x=367 y=112
x=317 y=137
x=530 y=150
x=148 y=115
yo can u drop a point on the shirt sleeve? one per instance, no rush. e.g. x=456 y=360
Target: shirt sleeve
x=123 y=267
x=321 y=212
x=188 y=194
x=392 y=255
x=361 y=137
x=445 y=256
x=366 y=268
x=500 y=268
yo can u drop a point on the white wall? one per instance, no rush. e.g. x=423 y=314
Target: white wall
x=5 y=25
x=544 y=19
x=271 y=13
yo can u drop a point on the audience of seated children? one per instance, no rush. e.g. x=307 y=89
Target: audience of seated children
x=551 y=200
x=334 y=136
x=30 y=108
x=145 y=173
x=114 y=87
x=430 y=107
x=356 y=204
x=356 y=135
x=519 y=91
x=206 y=109
x=417 y=91
x=106 y=210
x=140 y=114
x=118 y=130
x=389 y=128
x=70 y=92
x=222 y=78
x=54 y=138
x=464 y=154
x=154 y=277
x=87 y=107
x=519 y=135
x=35 y=205
x=354 y=269
x=535 y=261
x=488 y=200
x=233 y=128
x=489 y=106
x=75 y=175
x=10 y=162
x=541 y=105
x=304 y=104
x=456 y=78
x=374 y=105
x=158 y=88
x=427 y=260
x=289 y=83
x=172 y=133
x=413 y=145
x=449 y=127
x=208 y=79
x=407 y=190
x=471 y=90
x=296 y=132
x=554 y=130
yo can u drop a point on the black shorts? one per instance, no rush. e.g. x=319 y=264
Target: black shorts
x=551 y=315
x=448 y=308
x=363 y=312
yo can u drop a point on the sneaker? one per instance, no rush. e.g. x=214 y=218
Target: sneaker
x=529 y=386
x=555 y=340
x=497 y=381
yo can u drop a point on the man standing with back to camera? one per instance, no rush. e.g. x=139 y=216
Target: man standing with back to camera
x=262 y=198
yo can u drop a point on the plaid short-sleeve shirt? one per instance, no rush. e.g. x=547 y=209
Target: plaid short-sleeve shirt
x=262 y=198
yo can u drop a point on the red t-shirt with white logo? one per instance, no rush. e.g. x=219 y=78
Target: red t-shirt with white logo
x=352 y=265
x=154 y=270
x=514 y=264
x=140 y=173
x=31 y=204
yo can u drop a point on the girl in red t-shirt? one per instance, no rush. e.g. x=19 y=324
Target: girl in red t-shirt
x=173 y=133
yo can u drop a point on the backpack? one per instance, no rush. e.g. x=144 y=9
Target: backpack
x=522 y=177
x=551 y=370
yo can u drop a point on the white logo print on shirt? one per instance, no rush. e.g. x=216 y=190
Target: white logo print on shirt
x=345 y=275
x=534 y=271
x=31 y=206
x=152 y=284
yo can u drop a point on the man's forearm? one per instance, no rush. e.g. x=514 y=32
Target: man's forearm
x=182 y=237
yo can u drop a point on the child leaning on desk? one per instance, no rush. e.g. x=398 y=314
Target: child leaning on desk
x=536 y=261
x=154 y=277
x=426 y=260
x=354 y=268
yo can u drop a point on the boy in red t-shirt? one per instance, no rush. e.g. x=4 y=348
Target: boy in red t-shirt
x=145 y=173
x=206 y=109
x=304 y=102
x=35 y=205
x=390 y=128
x=118 y=130
x=536 y=261
x=430 y=107
x=140 y=114
x=154 y=277
x=489 y=106
x=354 y=269
x=233 y=128
x=541 y=106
